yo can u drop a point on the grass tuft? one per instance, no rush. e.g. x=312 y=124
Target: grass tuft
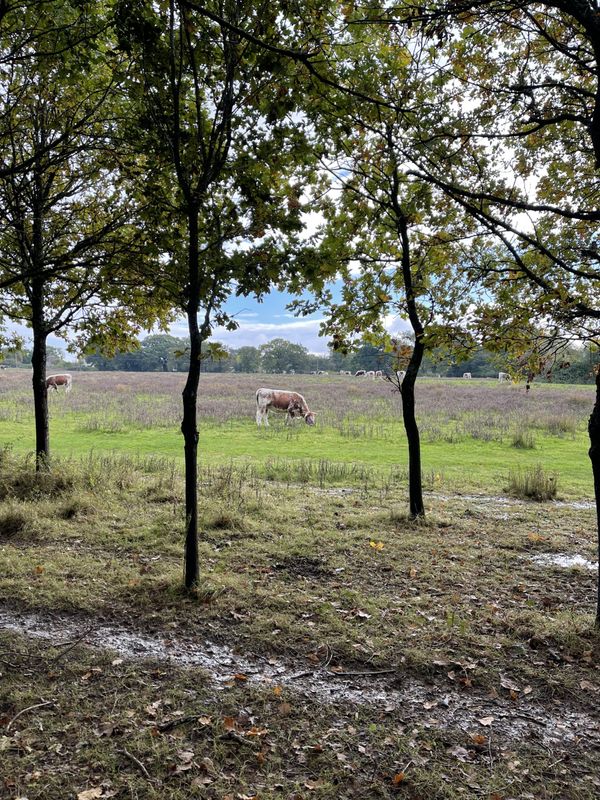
x=533 y=484
x=13 y=522
x=523 y=439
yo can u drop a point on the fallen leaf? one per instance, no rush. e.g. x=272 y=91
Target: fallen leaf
x=255 y=731
x=535 y=537
x=398 y=778
x=460 y=753
x=314 y=784
x=239 y=676
x=376 y=545
x=207 y=764
x=203 y=780
x=506 y=683
x=277 y=690
x=486 y=721
x=204 y=720
x=478 y=739
x=90 y=794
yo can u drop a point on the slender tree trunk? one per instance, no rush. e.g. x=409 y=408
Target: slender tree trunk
x=189 y=423
x=594 y=433
x=415 y=486
x=40 y=392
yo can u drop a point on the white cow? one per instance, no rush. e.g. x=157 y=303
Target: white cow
x=370 y=374
x=503 y=376
x=400 y=375
x=292 y=403
x=467 y=375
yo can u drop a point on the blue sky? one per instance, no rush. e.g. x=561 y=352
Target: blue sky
x=258 y=324
x=261 y=322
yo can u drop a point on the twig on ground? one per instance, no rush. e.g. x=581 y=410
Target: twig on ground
x=237 y=738
x=364 y=673
x=302 y=674
x=137 y=762
x=30 y=708
x=72 y=644
x=173 y=723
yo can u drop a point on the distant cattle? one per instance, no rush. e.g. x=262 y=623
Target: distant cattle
x=503 y=376
x=467 y=375
x=400 y=375
x=360 y=373
x=345 y=372
x=322 y=372
x=370 y=374
x=379 y=373
x=292 y=403
x=54 y=381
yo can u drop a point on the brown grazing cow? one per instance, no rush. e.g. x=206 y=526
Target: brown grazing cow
x=292 y=403
x=54 y=381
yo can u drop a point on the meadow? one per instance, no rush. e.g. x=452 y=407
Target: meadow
x=334 y=649
x=473 y=432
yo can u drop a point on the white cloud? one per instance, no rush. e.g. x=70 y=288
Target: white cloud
x=253 y=334
x=395 y=324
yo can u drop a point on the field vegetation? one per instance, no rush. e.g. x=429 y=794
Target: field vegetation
x=474 y=432
x=334 y=648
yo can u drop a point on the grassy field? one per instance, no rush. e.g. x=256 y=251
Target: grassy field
x=473 y=432
x=335 y=648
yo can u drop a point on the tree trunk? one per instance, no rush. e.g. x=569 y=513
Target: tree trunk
x=594 y=433
x=40 y=394
x=415 y=486
x=189 y=422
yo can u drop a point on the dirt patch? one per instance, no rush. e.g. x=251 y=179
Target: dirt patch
x=436 y=705
x=303 y=566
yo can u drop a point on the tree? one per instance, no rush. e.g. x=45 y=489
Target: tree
x=224 y=175
x=247 y=359
x=162 y=352
x=66 y=229
x=396 y=239
x=279 y=355
x=528 y=136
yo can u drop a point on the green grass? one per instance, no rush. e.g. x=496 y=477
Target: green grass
x=459 y=465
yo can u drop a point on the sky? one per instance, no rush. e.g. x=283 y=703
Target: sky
x=261 y=322
x=258 y=324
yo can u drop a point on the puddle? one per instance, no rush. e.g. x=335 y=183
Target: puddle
x=563 y=560
x=432 y=706
x=499 y=500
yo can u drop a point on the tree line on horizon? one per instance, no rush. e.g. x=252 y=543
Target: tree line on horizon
x=166 y=353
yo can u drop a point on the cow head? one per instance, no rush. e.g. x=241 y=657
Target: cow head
x=309 y=417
